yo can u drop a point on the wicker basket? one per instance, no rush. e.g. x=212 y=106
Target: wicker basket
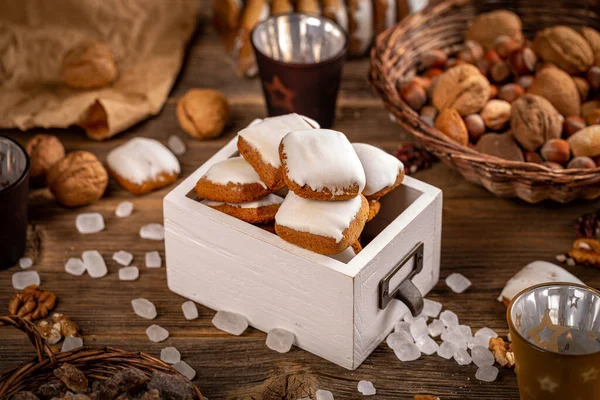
x=443 y=26
x=98 y=363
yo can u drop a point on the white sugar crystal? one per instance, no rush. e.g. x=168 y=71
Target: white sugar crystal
x=436 y=328
x=144 y=308
x=457 y=282
x=410 y=319
x=71 y=343
x=170 y=355
x=462 y=357
x=89 y=223
x=153 y=259
x=25 y=262
x=484 y=335
x=74 y=266
x=152 y=232
x=190 y=311
x=123 y=257
x=427 y=345
x=324 y=395
x=407 y=352
x=177 y=145
x=230 y=322
x=431 y=308
x=446 y=350
x=401 y=326
x=396 y=339
x=20 y=280
x=487 y=373
x=466 y=331
x=184 y=369
x=280 y=340
x=418 y=328
x=455 y=336
x=124 y=209
x=157 y=333
x=449 y=318
x=94 y=264
x=482 y=356
x=366 y=388
x=129 y=273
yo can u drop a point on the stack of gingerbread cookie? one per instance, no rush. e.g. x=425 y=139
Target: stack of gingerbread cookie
x=334 y=186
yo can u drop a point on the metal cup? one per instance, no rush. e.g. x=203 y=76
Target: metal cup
x=300 y=59
x=555 y=330
x=14 y=191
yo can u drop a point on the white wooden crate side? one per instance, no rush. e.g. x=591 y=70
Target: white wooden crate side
x=226 y=269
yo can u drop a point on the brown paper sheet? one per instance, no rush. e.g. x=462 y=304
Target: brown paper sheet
x=147 y=38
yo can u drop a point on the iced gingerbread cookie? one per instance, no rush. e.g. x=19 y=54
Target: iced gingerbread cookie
x=231 y=181
x=336 y=11
x=321 y=164
x=142 y=165
x=256 y=212
x=325 y=227
x=374 y=207
x=383 y=171
x=360 y=26
x=385 y=14
x=259 y=145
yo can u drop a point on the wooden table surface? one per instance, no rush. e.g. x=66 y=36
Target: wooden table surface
x=485 y=238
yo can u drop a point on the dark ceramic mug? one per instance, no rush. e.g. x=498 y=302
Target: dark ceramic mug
x=14 y=192
x=300 y=59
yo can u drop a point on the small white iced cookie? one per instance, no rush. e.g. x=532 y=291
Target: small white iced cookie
x=383 y=171
x=336 y=11
x=259 y=144
x=141 y=165
x=231 y=181
x=321 y=164
x=256 y=212
x=385 y=14
x=360 y=23
x=325 y=227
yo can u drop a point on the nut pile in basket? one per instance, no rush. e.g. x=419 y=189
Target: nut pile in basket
x=536 y=101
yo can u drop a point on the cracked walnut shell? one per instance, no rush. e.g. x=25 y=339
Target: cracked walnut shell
x=534 y=121
x=463 y=88
x=89 y=65
x=564 y=47
x=44 y=151
x=203 y=113
x=78 y=179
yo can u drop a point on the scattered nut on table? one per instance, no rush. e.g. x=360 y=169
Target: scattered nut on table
x=44 y=151
x=203 y=113
x=32 y=303
x=89 y=65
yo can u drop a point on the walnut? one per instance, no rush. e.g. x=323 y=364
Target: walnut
x=556 y=86
x=89 y=65
x=586 y=142
x=593 y=38
x=32 y=303
x=78 y=179
x=564 y=47
x=534 y=120
x=463 y=88
x=49 y=333
x=487 y=27
x=65 y=326
x=203 y=113
x=502 y=354
x=501 y=145
x=44 y=151
x=586 y=252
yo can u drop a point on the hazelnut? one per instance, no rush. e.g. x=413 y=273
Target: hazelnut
x=89 y=65
x=428 y=115
x=493 y=92
x=203 y=113
x=533 y=157
x=525 y=81
x=523 y=61
x=572 y=125
x=432 y=73
x=496 y=114
x=433 y=59
x=492 y=57
x=452 y=125
x=414 y=95
x=475 y=126
x=471 y=53
x=564 y=47
x=424 y=82
x=583 y=87
x=500 y=145
x=593 y=38
x=463 y=88
x=534 y=120
x=593 y=77
x=500 y=72
x=593 y=118
x=588 y=107
x=511 y=92
x=581 y=162
x=553 y=166
x=487 y=27
x=586 y=142
x=44 y=151
x=556 y=150
x=558 y=87
x=78 y=179
x=505 y=46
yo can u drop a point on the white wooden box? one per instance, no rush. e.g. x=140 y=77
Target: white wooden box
x=332 y=307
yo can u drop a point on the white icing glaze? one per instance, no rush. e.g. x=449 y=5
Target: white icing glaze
x=254 y=122
x=390 y=14
x=234 y=170
x=345 y=256
x=268 y=200
x=264 y=13
x=265 y=136
x=322 y=158
x=363 y=15
x=141 y=159
x=381 y=168
x=325 y=218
